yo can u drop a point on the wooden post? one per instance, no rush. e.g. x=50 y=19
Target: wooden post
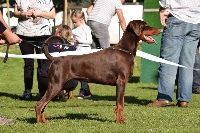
x=8 y=11
x=65 y=12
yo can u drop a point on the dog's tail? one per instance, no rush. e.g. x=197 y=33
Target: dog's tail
x=46 y=51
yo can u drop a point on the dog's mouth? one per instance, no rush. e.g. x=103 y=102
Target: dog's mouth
x=149 y=39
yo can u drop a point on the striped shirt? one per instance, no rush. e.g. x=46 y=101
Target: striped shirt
x=185 y=10
x=104 y=10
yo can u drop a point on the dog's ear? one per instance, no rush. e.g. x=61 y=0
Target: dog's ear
x=136 y=25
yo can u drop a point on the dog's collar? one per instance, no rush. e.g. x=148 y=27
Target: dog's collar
x=122 y=50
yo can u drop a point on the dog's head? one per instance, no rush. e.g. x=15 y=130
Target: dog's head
x=143 y=30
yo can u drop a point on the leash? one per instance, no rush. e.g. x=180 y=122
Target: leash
x=44 y=43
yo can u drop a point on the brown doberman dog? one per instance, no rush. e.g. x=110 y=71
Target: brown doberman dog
x=110 y=66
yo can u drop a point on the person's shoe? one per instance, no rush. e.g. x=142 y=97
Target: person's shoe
x=182 y=104
x=6 y=121
x=159 y=103
x=26 y=96
x=84 y=95
x=196 y=90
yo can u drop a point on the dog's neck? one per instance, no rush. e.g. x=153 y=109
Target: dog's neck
x=128 y=42
x=121 y=50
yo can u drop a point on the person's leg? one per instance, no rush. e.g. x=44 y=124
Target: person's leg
x=100 y=34
x=38 y=49
x=41 y=74
x=84 y=85
x=103 y=36
x=84 y=91
x=28 y=70
x=196 y=74
x=187 y=58
x=95 y=41
x=171 y=45
x=42 y=85
x=68 y=87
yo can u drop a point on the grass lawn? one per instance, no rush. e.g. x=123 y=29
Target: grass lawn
x=94 y=115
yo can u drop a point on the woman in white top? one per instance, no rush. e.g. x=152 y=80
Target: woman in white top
x=33 y=25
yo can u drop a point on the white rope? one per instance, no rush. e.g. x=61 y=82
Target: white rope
x=81 y=52
x=55 y=54
x=156 y=59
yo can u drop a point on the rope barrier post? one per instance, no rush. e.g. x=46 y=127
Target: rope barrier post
x=8 y=11
x=149 y=69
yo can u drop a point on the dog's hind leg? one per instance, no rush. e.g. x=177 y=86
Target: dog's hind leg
x=40 y=106
x=120 y=88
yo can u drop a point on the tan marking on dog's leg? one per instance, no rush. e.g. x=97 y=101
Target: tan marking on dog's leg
x=38 y=113
x=42 y=113
x=119 y=115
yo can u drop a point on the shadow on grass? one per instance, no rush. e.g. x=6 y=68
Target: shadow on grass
x=134 y=80
x=70 y=116
x=127 y=99
x=35 y=97
x=82 y=116
x=15 y=96
x=28 y=120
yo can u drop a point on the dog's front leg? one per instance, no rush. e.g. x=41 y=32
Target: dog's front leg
x=120 y=88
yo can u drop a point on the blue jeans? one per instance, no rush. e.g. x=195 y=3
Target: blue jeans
x=178 y=45
x=196 y=73
x=84 y=85
x=100 y=34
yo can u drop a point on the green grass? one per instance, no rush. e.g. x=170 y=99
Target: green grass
x=95 y=115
